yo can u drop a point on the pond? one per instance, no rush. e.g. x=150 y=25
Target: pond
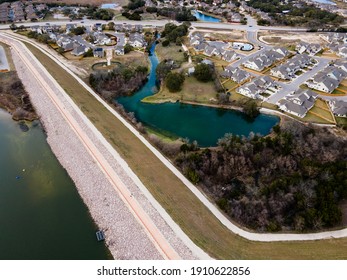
x=204 y=124
x=109 y=6
x=202 y=17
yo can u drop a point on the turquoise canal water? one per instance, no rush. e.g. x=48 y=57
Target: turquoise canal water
x=204 y=124
x=42 y=216
x=203 y=17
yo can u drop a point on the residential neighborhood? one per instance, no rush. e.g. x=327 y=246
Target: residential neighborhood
x=174 y=130
x=92 y=39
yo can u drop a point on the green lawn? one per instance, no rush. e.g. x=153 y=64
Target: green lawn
x=183 y=206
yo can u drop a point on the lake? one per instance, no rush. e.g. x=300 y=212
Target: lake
x=42 y=215
x=204 y=124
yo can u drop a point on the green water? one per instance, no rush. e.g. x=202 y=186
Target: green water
x=41 y=213
x=204 y=124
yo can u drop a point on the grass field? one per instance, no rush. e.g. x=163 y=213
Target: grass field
x=192 y=91
x=186 y=210
x=170 y=52
x=321 y=109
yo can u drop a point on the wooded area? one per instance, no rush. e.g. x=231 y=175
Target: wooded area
x=292 y=180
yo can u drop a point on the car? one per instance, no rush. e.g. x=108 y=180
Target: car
x=250 y=25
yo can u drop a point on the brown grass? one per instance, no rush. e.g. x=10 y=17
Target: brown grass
x=192 y=91
x=186 y=210
x=169 y=52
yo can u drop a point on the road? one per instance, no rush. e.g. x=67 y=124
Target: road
x=159 y=23
x=264 y=237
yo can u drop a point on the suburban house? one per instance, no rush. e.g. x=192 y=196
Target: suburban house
x=235 y=74
x=119 y=50
x=101 y=38
x=337 y=43
x=212 y=48
x=79 y=50
x=257 y=87
x=137 y=40
x=327 y=80
x=298 y=103
x=229 y=55
x=287 y=70
x=310 y=49
x=265 y=59
x=338 y=107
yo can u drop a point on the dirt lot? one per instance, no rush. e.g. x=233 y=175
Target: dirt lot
x=281 y=38
x=235 y=35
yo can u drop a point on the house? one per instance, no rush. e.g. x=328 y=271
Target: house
x=210 y=51
x=229 y=55
x=80 y=50
x=310 y=49
x=287 y=70
x=327 y=80
x=265 y=59
x=259 y=86
x=101 y=39
x=298 y=103
x=119 y=50
x=137 y=40
x=338 y=107
x=235 y=74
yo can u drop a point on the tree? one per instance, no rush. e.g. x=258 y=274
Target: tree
x=165 y=43
x=174 y=81
x=250 y=109
x=203 y=72
x=78 y=30
x=162 y=70
x=128 y=48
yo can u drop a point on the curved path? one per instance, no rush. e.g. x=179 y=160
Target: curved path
x=264 y=237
